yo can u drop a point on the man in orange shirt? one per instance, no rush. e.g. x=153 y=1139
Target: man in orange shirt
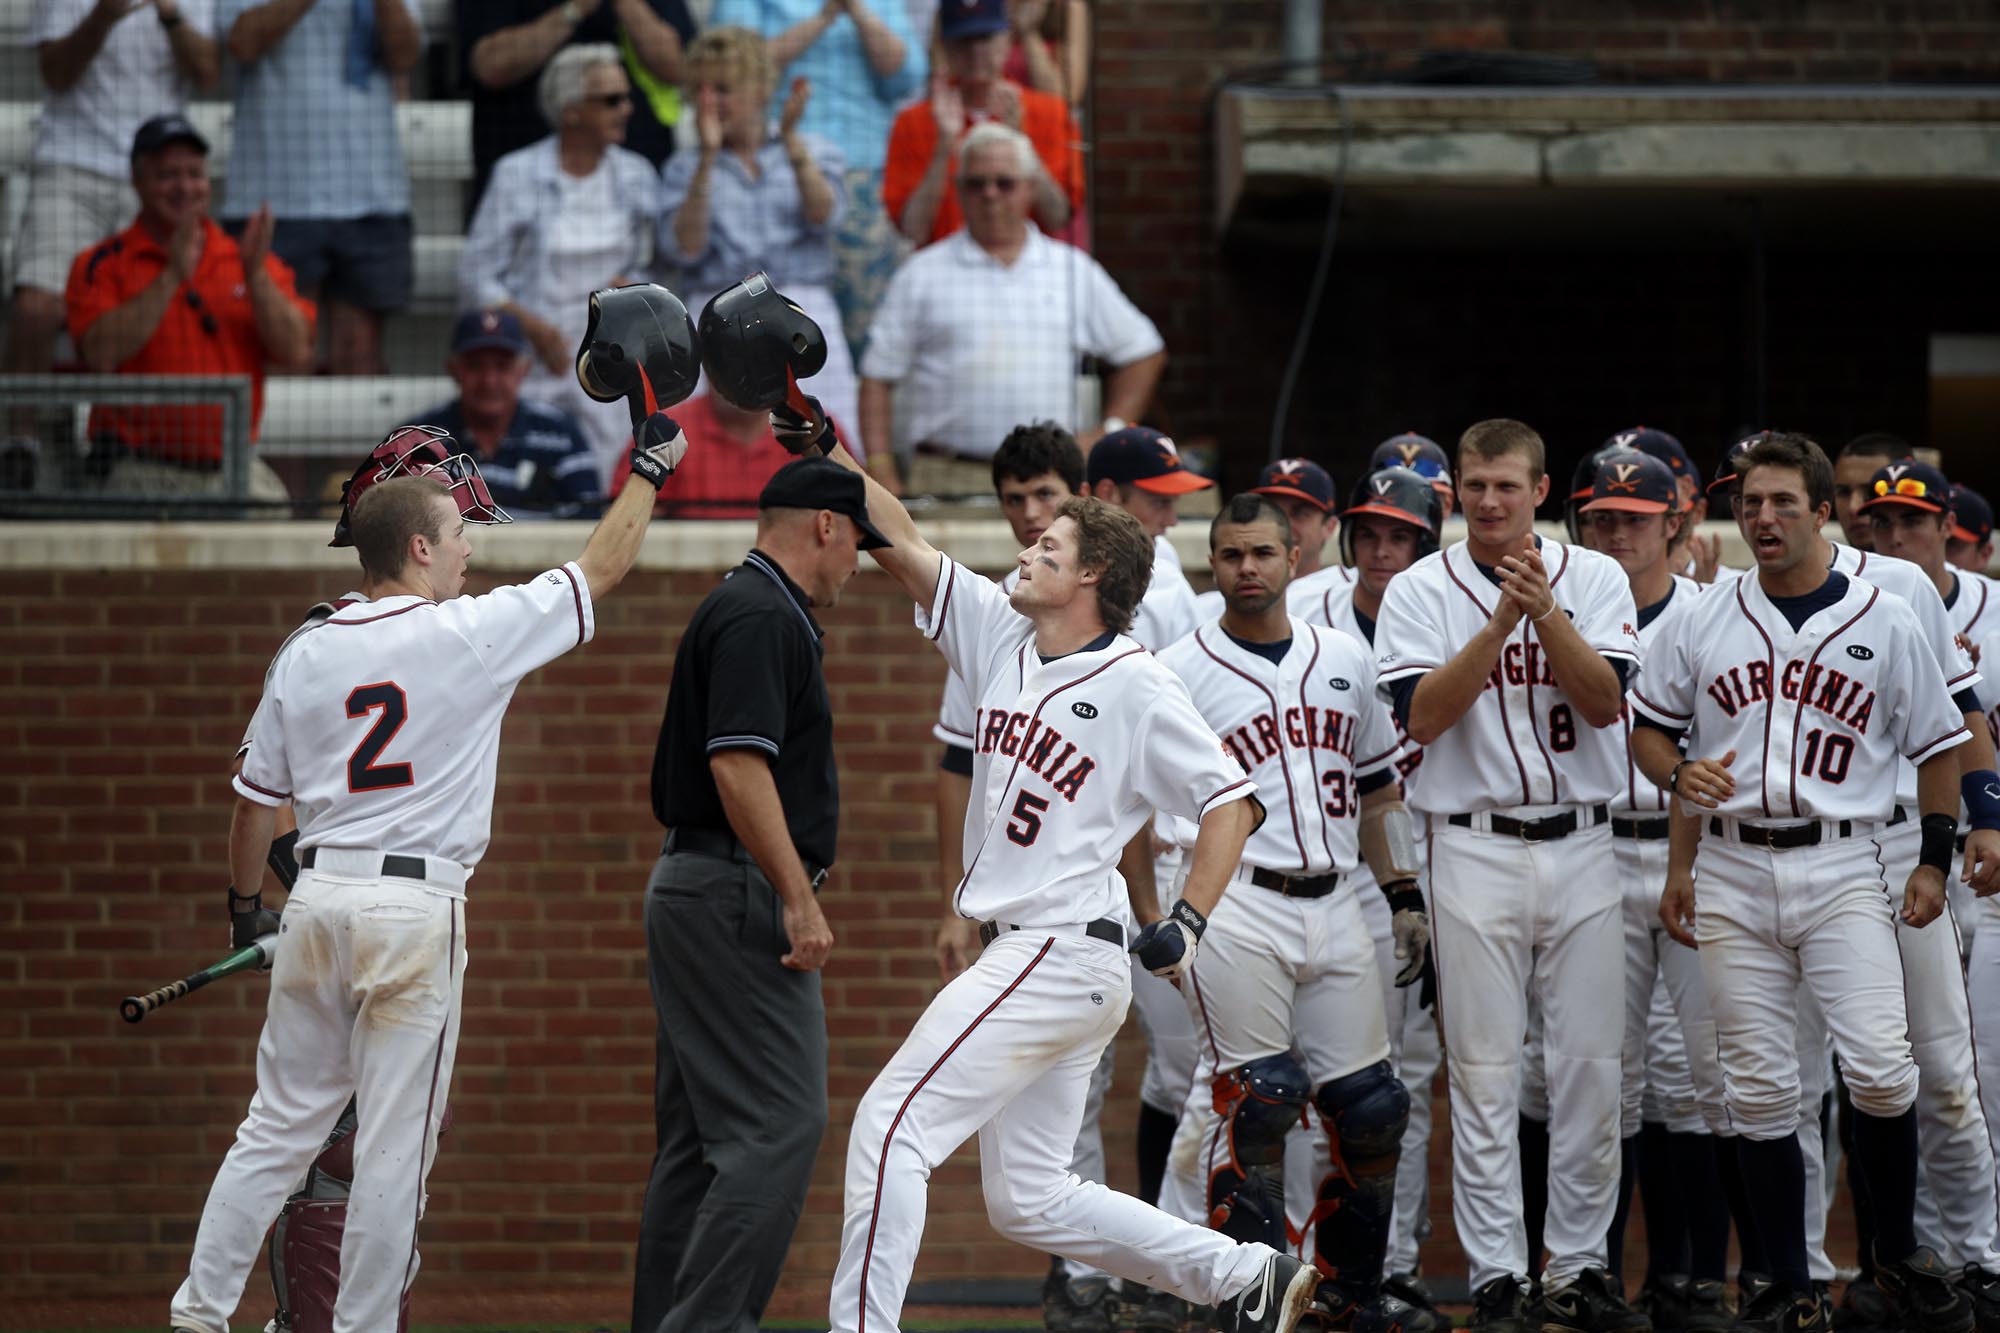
x=173 y=294
x=916 y=177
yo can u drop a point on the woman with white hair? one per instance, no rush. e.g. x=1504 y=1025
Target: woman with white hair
x=758 y=196
x=564 y=216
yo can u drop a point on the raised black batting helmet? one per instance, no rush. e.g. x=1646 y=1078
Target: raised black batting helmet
x=640 y=346
x=1398 y=493
x=756 y=346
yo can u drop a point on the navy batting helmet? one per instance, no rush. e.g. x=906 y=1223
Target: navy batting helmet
x=640 y=346
x=1398 y=493
x=1421 y=454
x=756 y=346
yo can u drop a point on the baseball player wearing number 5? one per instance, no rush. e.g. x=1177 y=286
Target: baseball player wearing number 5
x=1504 y=656
x=1287 y=962
x=1810 y=686
x=381 y=725
x=1079 y=734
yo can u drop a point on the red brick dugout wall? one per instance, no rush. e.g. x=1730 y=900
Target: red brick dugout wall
x=122 y=696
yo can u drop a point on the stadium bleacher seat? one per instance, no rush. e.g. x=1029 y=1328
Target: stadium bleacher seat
x=314 y=415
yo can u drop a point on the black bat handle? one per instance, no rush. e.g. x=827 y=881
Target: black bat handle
x=136 y=1007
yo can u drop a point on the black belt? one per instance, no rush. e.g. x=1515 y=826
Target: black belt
x=1546 y=829
x=728 y=847
x=1788 y=836
x=1646 y=830
x=398 y=867
x=1104 y=928
x=1294 y=886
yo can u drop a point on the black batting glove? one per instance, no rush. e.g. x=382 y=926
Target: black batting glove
x=249 y=919
x=1166 y=948
x=810 y=436
x=657 y=449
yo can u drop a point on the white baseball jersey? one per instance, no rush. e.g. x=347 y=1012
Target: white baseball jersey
x=1166 y=614
x=382 y=724
x=1334 y=608
x=955 y=711
x=1306 y=727
x=1637 y=795
x=1818 y=716
x=313 y=617
x=1974 y=606
x=1521 y=743
x=1070 y=759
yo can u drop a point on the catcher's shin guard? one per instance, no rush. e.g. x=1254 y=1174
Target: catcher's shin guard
x=1257 y=1105
x=1365 y=1114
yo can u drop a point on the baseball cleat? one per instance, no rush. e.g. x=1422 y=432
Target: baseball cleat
x=1924 y=1294
x=1274 y=1301
x=1707 y=1306
x=1161 y=1312
x=1864 y=1309
x=1075 y=1304
x=1410 y=1289
x=1590 y=1304
x=1776 y=1311
x=1983 y=1288
x=1664 y=1301
x=1501 y=1305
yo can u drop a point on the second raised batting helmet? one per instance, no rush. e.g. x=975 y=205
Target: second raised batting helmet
x=640 y=346
x=1398 y=493
x=756 y=346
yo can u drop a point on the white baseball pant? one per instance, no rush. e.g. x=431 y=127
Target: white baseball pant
x=1414 y=1048
x=1983 y=983
x=1652 y=957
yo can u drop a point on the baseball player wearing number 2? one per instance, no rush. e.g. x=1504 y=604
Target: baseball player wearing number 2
x=1505 y=656
x=1809 y=686
x=1079 y=735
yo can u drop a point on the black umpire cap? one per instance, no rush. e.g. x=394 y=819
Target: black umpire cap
x=821 y=483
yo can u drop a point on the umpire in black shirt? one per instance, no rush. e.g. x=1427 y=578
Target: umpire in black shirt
x=743 y=780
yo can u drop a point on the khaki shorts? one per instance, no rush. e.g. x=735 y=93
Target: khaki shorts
x=68 y=211
x=133 y=475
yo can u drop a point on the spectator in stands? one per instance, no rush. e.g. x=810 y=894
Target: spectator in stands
x=174 y=294
x=507 y=43
x=567 y=215
x=533 y=456
x=916 y=183
x=108 y=68
x=731 y=454
x=314 y=139
x=1051 y=51
x=863 y=59
x=756 y=198
x=985 y=330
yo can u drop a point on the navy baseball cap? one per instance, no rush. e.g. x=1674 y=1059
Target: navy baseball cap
x=960 y=19
x=1971 y=516
x=1660 y=445
x=1729 y=471
x=1636 y=483
x=160 y=131
x=478 y=329
x=1140 y=456
x=821 y=483
x=1299 y=478
x=1908 y=482
x=1419 y=453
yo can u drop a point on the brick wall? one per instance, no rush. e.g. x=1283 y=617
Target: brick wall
x=122 y=697
x=1579 y=342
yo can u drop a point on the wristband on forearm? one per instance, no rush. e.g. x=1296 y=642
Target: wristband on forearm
x=1674 y=778
x=1185 y=913
x=1403 y=896
x=1981 y=793
x=1940 y=839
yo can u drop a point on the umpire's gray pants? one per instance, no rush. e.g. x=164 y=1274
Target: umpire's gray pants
x=739 y=1097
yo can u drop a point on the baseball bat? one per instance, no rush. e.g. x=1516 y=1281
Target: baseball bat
x=248 y=958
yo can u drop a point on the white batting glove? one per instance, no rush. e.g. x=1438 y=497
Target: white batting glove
x=1410 y=930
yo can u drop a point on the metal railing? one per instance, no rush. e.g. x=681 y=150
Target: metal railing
x=62 y=473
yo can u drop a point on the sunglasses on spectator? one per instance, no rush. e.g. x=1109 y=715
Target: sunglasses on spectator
x=208 y=324
x=978 y=184
x=610 y=100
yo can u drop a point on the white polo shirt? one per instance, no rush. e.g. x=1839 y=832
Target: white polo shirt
x=976 y=347
x=131 y=79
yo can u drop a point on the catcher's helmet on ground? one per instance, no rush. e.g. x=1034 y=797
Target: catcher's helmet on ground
x=756 y=345
x=640 y=346
x=1398 y=493
x=418 y=451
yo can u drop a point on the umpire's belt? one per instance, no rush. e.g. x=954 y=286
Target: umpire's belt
x=728 y=847
x=1546 y=829
x=1104 y=928
x=1783 y=837
x=1294 y=886
x=1645 y=830
x=366 y=863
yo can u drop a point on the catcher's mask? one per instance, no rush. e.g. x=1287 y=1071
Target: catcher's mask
x=756 y=346
x=1400 y=493
x=419 y=451
x=640 y=346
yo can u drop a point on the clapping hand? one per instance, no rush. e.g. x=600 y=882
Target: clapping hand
x=1004 y=104
x=1525 y=580
x=708 y=122
x=795 y=107
x=255 y=244
x=947 y=107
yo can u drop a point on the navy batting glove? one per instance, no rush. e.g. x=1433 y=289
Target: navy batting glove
x=249 y=919
x=657 y=449
x=1166 y=948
